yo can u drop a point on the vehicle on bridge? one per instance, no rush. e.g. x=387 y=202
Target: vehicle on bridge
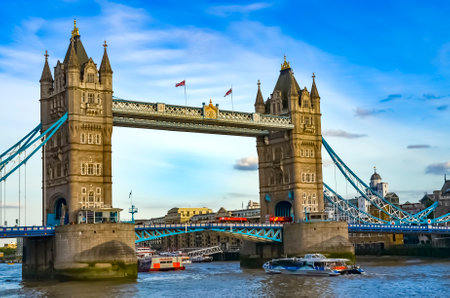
x=232 y=219
x=280 y=219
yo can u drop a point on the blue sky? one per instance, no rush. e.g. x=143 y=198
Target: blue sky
x=383 y=73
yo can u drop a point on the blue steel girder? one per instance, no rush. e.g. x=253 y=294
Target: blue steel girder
x=31 y=140
x=253 y=232
x=349 y=209
x=381 y=203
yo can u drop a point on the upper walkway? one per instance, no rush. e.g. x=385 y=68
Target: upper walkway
x=207 y=119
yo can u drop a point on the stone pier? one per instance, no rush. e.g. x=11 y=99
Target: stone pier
x=328 y=238
x=82 y=252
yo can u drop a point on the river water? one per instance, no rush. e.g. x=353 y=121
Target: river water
x=386 y=277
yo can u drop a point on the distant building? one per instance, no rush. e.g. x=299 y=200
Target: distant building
x=11 y=245
x=441 y=196
x=253 y=205
x=412 y=208
x=382 y=188
x=182 y=215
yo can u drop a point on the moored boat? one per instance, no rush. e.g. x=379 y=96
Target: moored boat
x=160 y=263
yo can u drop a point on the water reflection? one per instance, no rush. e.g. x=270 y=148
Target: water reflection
x=385 y=277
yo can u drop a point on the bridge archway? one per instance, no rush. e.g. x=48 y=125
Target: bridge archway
x=59 y=205
x=283 y=208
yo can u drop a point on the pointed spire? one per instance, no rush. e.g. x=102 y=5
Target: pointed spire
x=46 y=73
x=285 y=65
x=293 y=87
x=105 y=66
x=314 y=92
x=73 y=59
x=75 y=31
x=259 y=102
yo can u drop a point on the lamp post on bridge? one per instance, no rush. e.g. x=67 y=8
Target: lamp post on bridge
x=133 y=208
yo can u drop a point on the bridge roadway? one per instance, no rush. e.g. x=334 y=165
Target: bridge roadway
x=128 y=113
x=253 y=232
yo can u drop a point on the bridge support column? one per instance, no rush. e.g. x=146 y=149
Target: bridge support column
x=37 y=258
x=83 y=252
x=328 y=238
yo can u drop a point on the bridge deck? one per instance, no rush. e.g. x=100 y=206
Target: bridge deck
x=193 y=119
x=256 y=232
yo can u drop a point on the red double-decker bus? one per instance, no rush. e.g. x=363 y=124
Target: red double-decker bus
x=232 y=219
x=280 y=219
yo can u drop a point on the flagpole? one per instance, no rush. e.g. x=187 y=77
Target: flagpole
x=185 y=97
x=232 y=107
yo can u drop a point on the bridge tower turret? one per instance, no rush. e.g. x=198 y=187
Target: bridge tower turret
x=46 y=79
x=290 y=163
x=77 y=160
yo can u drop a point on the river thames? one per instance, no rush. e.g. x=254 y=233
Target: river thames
x=385 y=276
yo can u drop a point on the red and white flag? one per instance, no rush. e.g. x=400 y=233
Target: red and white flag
x=182 y=83
x=228 y=92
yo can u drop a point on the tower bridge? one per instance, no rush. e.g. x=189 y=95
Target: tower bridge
x=78 y=108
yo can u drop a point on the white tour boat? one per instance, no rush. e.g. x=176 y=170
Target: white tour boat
x=310 y=264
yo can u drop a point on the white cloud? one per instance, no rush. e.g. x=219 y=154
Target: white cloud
x=227 y=10
x=249 y=163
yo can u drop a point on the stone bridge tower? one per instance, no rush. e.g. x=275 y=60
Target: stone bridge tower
x=77 y=160
x=290 y=163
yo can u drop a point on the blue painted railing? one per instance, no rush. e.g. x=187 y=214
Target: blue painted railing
x=28 y=231
x=378 y=228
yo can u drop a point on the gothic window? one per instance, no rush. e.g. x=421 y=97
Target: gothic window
x=90 y=169
x=307 y=177
x=312 y=177
x=83 y=169
x=91 y=196
x=90 y=138
x=83 y=138
x=98 y=139
x=83 y=191
x=303 y=177
x=50 y=173
x=98 y=169
x=304 y=198
x=91 y=98
x=90 y=78
x=302 y=153
x=307 y=152
x=83 y=97
x=311 y=153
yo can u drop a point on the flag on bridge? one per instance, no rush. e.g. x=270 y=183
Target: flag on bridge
x=228 y=92
x=182 y=83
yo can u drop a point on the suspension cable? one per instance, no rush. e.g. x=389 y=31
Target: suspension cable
x=19 y=191
x=1 y=197
x=25 y=191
